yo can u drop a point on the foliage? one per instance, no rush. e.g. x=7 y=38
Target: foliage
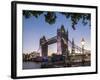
x=50 y=17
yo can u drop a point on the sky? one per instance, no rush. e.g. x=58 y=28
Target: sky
x=35 y=28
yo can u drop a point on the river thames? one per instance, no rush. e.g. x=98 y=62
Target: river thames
x=31 y=65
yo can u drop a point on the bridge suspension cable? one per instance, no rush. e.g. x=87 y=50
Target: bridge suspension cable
x=76 y=47
x=39 y=48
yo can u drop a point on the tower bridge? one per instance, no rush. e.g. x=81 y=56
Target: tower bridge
x=63 y=43
x=61 y=33
x=63 y=46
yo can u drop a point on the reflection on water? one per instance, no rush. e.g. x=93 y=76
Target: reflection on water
x=31 y=65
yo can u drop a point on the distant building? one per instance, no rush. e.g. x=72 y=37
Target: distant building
x=27 y=57
x=34 y=54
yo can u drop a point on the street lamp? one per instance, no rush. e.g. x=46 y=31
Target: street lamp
x=83 y=42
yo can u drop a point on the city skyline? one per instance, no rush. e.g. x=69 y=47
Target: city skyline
x=35 y=28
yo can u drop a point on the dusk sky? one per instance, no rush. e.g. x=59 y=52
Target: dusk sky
x=35 y=28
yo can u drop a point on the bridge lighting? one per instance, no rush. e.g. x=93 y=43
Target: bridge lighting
x=82 y=41
x=62 y=31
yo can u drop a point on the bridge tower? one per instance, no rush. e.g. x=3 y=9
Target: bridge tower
x=44 y=46
x=59 y=41
x=62 y=40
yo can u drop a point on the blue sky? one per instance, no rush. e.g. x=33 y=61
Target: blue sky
x=35 y=28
